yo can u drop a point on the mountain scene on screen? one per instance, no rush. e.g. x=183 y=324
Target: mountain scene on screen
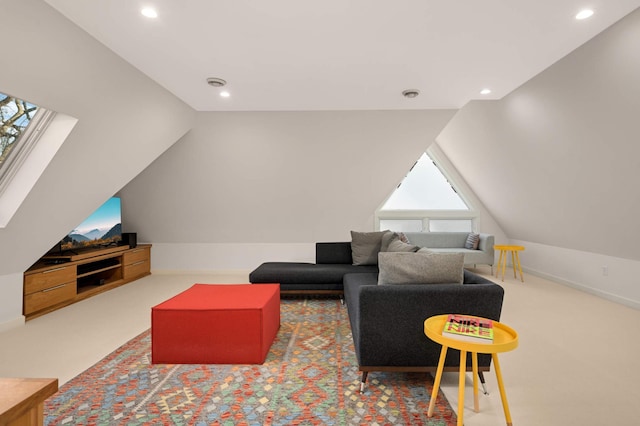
x=95 y=237
x=94 y=234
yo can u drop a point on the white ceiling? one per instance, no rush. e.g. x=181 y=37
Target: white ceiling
x=341 y=54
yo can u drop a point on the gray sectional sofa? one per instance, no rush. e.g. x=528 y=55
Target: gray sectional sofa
x=334 y=260
x=387 y=320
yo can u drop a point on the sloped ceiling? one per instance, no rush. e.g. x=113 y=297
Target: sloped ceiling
x=557 y=161
x=125 y=120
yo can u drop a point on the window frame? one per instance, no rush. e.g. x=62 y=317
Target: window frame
x=24 y=145
x=436 y=156
x=426 y=215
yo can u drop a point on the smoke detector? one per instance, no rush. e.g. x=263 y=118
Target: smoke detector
x=410 y=93
x=216 y=82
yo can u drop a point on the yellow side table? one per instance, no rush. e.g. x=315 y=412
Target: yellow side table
x=515 y=259
x=504 y=339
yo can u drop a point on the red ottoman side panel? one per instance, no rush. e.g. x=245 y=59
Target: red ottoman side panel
x=270 y=322
x=216 y=324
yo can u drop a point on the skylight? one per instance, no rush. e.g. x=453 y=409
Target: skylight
x=30 y=136
x=15 y=117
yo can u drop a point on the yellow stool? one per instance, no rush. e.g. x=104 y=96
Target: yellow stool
x=515 y=260
x=504 y=339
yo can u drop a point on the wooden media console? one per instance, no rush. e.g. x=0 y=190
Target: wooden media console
x=57 y=281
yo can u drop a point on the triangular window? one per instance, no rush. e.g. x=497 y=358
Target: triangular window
x=426 y=201
x=425 y=188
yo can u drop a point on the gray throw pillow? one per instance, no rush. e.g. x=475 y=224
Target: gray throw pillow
x=472 y=241
x=365 y=247
x=420 y=268
x=397 y=245
x=387 y=238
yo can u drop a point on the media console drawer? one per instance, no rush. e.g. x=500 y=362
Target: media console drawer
x=136 y=255
x=49 y=297
x=136 y=269
x=49 y=278
x=137 y=262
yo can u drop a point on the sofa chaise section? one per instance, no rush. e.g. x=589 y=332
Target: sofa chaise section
x=333 y=261
x=387 y=320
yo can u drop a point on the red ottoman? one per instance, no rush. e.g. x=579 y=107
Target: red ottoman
x=216 y=324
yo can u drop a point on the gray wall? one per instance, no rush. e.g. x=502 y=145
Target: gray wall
x=283 y=179
x=124 y=122
x=557 y=163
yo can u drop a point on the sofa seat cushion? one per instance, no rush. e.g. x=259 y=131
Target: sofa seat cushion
x=305 y=273
x=451 y=250
x=470 y=256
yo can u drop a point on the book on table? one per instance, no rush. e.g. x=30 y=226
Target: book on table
x=468 y=328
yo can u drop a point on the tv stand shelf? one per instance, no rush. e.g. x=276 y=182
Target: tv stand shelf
x=57 y=281
x=108 y=268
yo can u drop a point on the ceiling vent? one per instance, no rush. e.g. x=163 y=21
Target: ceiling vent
x=216 y=82
x=410 y=93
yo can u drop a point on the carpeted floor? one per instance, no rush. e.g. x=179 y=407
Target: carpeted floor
x=310 y=377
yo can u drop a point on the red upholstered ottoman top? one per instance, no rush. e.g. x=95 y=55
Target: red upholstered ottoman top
x=221 y=296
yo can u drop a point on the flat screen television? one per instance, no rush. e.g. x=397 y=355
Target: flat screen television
x=102 y=229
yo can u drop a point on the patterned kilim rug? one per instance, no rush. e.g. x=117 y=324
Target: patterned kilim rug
x=310 y=377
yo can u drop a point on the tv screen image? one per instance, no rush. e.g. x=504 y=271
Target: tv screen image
x=103 y=228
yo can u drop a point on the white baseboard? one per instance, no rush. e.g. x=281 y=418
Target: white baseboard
x=14 y=323
x=605 y=295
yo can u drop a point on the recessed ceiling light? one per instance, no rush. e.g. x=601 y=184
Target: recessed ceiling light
x=225 y=94
x=584 y=14
x=149 y=12
x=410 y=93
x=485 y=91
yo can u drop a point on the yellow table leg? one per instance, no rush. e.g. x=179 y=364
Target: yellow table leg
x=474 y=363
x=513 y=263
x=503 y=394
x=499 y=263
x=504 y=264
x=519 y=266
x=436 y=383
x=461 y=380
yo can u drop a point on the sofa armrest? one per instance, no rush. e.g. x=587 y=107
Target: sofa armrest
x=486 y=245
x=334 y=253
x=390 y=319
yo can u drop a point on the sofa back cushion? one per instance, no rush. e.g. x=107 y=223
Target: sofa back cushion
x=438 y=239
x=365 y=247
x=333 y=253
x=420 y=268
